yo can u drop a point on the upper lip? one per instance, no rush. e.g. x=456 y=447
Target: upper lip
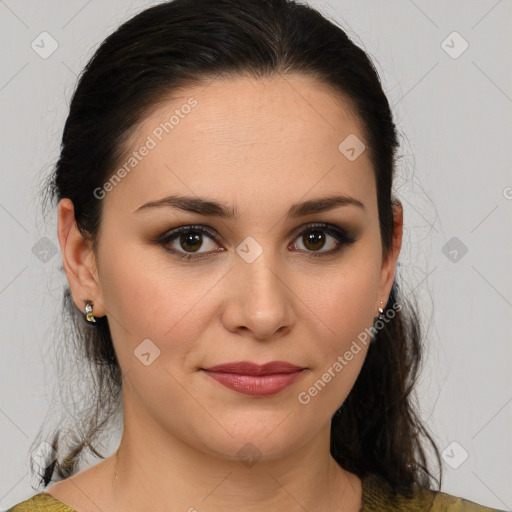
x=248 y=368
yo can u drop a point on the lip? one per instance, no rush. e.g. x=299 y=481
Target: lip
x=248 y=368
x=255 y=380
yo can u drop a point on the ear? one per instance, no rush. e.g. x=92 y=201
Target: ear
x=78 y=260
x=387 y=274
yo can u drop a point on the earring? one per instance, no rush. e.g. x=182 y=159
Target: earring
x=380 y=317
x=89 y=304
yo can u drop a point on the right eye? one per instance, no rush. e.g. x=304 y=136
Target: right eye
x=188 y=237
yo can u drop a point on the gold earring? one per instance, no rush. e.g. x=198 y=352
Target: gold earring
x=89 y=305
x=375 y=319
x=379 y=317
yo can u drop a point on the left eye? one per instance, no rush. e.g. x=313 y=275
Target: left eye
x=313 y=238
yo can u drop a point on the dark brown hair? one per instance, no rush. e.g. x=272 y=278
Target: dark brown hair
x=184 y=42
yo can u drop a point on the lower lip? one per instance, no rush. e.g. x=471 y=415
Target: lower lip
x=263 y=385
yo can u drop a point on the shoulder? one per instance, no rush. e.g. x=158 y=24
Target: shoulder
x=62 y=496
x=443 y=501
x=378 y=497
x=41 y=502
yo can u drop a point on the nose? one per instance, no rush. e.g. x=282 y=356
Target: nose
x=260 y=300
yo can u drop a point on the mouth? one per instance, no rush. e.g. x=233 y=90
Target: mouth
x=255 y=380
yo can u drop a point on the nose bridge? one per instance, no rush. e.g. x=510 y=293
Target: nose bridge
x=262 y=300
x=261 y=278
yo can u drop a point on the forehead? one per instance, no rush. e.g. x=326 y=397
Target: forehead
x=246 y=137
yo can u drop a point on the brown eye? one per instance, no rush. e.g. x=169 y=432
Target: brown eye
x=186 y=241
x=191 y=241
x=316 y=237
x=314 y=240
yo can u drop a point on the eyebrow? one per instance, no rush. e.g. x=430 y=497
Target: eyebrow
x=215 y=209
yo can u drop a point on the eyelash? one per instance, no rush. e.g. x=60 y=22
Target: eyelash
x=342 y=237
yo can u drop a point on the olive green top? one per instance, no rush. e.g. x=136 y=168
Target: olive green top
x=377 y=497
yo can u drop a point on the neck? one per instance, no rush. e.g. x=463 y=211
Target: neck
x=153 y=470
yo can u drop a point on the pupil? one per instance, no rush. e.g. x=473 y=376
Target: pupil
x=315 y=238
x=194 y=240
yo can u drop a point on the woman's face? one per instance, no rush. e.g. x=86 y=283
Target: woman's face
x=265 y=285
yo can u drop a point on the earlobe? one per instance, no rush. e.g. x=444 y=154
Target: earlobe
x=78 y=260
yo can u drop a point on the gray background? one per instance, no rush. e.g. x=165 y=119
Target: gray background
x=454 y=180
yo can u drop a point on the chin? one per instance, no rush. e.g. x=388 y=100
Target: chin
x=251 y=443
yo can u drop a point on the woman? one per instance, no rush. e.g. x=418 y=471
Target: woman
x=230 y=240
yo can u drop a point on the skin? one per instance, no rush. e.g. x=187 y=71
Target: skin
x=260 y=146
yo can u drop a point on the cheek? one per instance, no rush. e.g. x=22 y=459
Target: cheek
x=345 y=299
x=166 y=304
x=343 y=309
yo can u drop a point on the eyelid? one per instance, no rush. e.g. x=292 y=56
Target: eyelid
x=185 y=228
x=343 y=238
